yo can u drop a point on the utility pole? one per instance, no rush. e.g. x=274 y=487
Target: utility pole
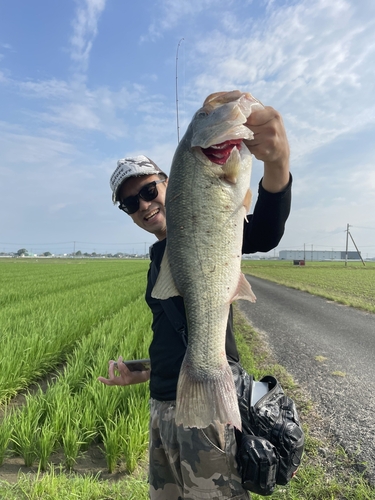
x=347 y=241
x=74 y=249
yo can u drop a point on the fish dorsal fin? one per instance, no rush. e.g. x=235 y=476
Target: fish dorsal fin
x=244 y=290
x=165 y=286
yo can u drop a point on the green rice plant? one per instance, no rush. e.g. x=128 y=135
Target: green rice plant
x=135 y=434
x=6 y=427
x=73 y=435
x=57 y=399
x=45 y=444
x=105 y=400
x=71 y=441
x=89 y=425
x=136 y=443
x=26 y=427
x=112 y=441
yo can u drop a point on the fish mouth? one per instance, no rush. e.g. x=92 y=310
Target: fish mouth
x=219 y=153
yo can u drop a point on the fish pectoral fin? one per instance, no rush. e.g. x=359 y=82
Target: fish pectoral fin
x=247 y=200
x=165 y=286
x=244 y=290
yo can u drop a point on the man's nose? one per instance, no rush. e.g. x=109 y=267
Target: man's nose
x=143 y=204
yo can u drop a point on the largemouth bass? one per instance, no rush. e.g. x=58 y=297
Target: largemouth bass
x=207 y=199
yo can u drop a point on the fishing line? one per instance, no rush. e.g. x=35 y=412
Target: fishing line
x=177 y=117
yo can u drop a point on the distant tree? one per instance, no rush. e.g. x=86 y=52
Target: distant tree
x=78 y=254
x=47 y=254
x=22 y=251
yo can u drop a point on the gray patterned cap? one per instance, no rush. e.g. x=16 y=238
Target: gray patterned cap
x=132 y=167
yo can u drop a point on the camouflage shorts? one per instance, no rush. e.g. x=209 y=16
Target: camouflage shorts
x=191 y=464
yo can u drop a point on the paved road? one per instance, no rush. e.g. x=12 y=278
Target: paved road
x=299 y=327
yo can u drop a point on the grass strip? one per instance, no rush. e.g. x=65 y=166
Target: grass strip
x=56 y=485
x=352 y=285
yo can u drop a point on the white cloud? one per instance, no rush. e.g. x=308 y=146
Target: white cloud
x=75 y=114
x=57 y=207
x=74 y=104
x=33 y=166
x=20 y=147
x=46 y=89
x=171 y=13
x=85 y=27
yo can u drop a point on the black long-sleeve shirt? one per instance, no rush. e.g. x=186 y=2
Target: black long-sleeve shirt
x=262 y=232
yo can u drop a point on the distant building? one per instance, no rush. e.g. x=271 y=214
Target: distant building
x=317 y=255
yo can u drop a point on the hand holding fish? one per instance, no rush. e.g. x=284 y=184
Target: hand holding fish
x=270 y=145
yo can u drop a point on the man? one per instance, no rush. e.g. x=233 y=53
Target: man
x=194 y=464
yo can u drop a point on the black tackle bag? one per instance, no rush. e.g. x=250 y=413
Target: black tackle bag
x=271 y=443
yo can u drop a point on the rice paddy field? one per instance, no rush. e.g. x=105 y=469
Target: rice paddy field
x=63 y=434
x=60 y=323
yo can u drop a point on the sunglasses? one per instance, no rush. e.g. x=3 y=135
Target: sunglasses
x=149 y=192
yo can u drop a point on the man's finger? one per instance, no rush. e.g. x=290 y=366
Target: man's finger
x=111 y=369
x=105 y=381
x=261 y=117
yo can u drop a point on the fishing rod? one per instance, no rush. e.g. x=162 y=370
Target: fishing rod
x=178 y=124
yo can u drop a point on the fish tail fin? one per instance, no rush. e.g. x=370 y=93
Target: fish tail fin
x=202 y=400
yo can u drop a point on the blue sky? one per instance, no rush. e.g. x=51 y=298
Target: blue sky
x=86 y=82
